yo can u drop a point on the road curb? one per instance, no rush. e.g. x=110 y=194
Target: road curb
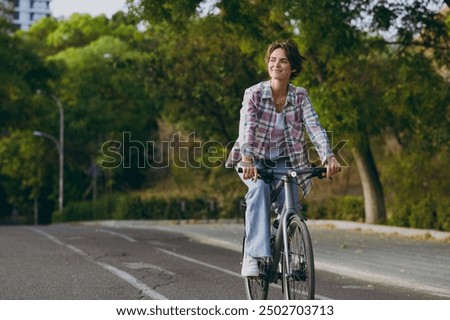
x=388 y=230
x=335 y=224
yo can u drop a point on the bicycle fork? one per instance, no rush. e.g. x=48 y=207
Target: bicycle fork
x=289 y=211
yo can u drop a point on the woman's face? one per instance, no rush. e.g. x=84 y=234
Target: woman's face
x=279 y=66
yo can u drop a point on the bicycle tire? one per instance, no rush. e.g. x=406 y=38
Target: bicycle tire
x=299 y=276
x=257 y=288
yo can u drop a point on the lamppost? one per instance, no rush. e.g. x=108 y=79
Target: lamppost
x=60 y=147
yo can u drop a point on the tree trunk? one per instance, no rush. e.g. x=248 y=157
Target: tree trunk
x=375 y=210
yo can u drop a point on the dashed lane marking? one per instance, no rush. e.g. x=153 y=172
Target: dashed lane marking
x=117 y=234
x=116 y=271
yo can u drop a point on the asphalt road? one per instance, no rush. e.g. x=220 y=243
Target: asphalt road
x=199 y=262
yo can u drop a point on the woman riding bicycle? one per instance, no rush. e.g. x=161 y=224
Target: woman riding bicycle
x=271 y=134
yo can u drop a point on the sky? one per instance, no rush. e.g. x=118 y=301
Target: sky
x=64 y=8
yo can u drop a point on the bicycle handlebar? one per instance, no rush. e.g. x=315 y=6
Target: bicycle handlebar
x=319 y=172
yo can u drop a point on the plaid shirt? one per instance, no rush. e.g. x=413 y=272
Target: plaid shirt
x=258 y=119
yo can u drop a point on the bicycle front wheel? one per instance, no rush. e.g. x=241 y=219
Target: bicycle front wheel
x=257 y=288
x=299 y=276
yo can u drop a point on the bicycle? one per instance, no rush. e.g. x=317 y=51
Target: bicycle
x=294 y=266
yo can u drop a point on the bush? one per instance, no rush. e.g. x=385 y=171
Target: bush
x=119 y=206
x=425 y=213
x=232 y=209
x=349 y=208
x=417 y=194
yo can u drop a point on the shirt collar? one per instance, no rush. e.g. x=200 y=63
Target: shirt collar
x=267 y=92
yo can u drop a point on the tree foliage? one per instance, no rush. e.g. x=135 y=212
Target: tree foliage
x=376 y=71
x=21 y=167
x=100 y=72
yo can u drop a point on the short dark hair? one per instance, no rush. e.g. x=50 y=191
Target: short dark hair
x=293 y=54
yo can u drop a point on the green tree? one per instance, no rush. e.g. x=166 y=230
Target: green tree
x=21 y=169
x=105 y=94
x=22 y=74
x=101 y=70
x=419 y=132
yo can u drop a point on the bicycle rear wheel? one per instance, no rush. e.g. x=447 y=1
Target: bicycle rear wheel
x=257 y=288
x=299 y=275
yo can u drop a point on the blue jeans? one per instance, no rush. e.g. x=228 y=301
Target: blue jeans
x=257 y=215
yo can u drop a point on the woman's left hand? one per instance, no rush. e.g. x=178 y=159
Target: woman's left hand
x=333 y=167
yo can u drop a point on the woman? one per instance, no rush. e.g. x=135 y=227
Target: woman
x=271 y=133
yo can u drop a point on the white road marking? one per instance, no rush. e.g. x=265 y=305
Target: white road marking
x=224 y=270
x=117 y=234
x=133 y=281
x=200 y=263
x=49 y=236
x=116 y=271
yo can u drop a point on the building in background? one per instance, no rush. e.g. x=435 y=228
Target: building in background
x=23 y=13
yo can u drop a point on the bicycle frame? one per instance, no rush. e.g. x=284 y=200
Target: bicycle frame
x=281 y=238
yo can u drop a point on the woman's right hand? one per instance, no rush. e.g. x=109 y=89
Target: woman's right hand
x=249 y=170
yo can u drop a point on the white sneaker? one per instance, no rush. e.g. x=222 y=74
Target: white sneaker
x=249 y=267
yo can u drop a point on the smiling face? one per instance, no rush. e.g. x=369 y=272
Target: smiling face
x=279 y=66
x=287 y=55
